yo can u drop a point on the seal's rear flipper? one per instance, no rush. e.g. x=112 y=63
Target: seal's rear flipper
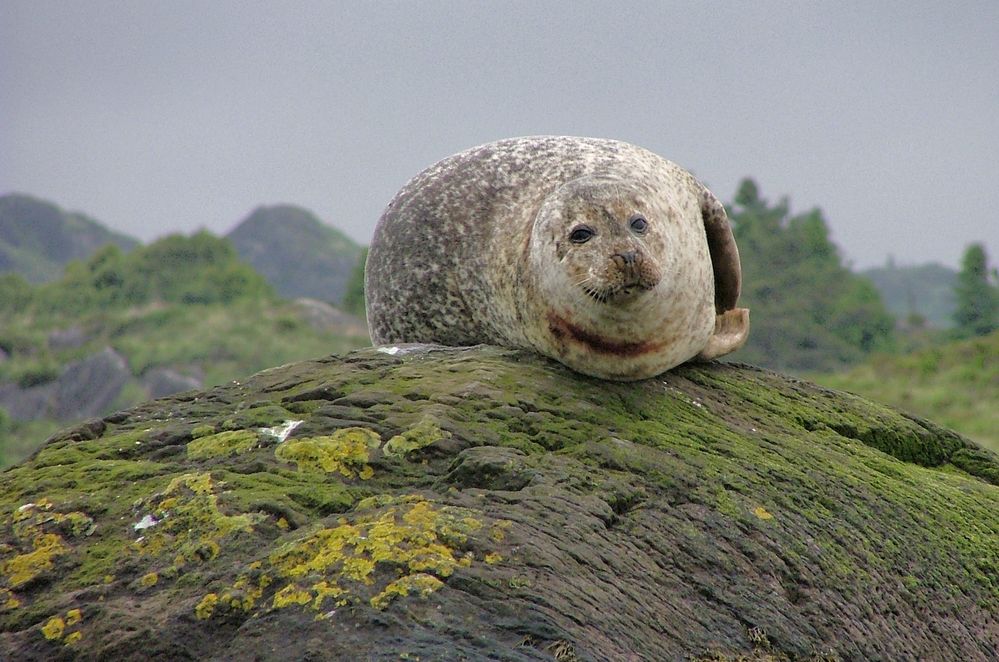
x=731 y=331
x=724 y=253
x=731 y=323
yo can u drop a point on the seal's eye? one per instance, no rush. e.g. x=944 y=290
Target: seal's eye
x=581 y=235
x=638 y=224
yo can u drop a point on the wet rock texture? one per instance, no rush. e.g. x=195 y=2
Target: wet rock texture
x=487 y=504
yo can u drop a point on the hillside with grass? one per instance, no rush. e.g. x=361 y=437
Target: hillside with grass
x=954 y=384
x=38 y=239
x=118 y=329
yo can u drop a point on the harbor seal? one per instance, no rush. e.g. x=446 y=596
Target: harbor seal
x=596 y=253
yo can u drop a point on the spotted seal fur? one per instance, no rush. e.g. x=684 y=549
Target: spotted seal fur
x=597 y=253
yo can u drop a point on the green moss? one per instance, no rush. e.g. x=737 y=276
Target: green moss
x=223 y=444
x=257 y=415
x=202 y=431
x=346 y=452
x=286 y=493
x=421 y=435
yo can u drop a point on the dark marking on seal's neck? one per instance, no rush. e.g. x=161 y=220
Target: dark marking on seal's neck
x=563 y=329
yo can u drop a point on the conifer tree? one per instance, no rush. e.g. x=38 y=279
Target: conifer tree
x=977 y=312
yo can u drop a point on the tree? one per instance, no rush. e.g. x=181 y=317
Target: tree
x=353 y=298
x=809 y=312
x=977 y=312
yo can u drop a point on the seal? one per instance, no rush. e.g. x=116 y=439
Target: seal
x=597 y=253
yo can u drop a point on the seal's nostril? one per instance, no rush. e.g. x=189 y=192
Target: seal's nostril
x=628 y=258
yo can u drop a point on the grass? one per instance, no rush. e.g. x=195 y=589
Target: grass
x=219 y=342
x=955 y=385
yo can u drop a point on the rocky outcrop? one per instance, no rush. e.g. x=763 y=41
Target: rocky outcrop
x=323 y=317
x=87 y=387
x=487 y=504
x=163 y=381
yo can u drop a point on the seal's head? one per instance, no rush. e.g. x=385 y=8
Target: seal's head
x=625 y=276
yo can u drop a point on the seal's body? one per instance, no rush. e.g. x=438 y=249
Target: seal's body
x=596 y=253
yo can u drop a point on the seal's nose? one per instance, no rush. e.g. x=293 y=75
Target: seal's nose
x=626 y=259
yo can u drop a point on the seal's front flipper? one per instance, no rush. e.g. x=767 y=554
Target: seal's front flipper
x=731 y=331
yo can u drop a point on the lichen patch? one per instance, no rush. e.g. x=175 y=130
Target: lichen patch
x=346 y=452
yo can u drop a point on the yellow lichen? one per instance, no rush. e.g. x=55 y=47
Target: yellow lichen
x=149 y=579
x=223 y=444
x=23 y=568
x=282 y=524
x=9 y=600
x=421 y=435
x=420 y=583
x=248 y=589
x=762 y=513
x=72 y=638
x=493 y=558
x=73 y=616
x=54 y=628
x=33 y=525
x=498 y=530
x=190 y=523
x=345 y=452
x=408 y=536
x=291 y=595
x=204 y=609
x=324 y=590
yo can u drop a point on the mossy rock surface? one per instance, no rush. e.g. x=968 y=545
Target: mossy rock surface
x=481 y=503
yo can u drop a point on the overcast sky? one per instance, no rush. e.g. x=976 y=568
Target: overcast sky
x=157 y=117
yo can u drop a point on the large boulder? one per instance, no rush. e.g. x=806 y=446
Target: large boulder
x=420 y=503
x=84 y=388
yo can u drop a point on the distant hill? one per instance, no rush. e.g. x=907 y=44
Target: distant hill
x=298 y=254
x=37 y=238
x=926 y=289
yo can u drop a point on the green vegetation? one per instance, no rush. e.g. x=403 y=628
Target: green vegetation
x=201 y=269
x=977 y=295
x=353 y=299
x=956 y=385
x=809 y=312
x=184 y=303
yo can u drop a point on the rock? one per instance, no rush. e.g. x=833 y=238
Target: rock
x=85 y=388
x=70 y=338
x=321 y=316
x=482 y=503
x=161 y=382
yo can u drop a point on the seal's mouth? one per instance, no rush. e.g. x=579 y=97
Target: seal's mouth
x=617 y=293
x=624 y=278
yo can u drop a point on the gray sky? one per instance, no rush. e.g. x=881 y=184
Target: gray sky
x=157 y=117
